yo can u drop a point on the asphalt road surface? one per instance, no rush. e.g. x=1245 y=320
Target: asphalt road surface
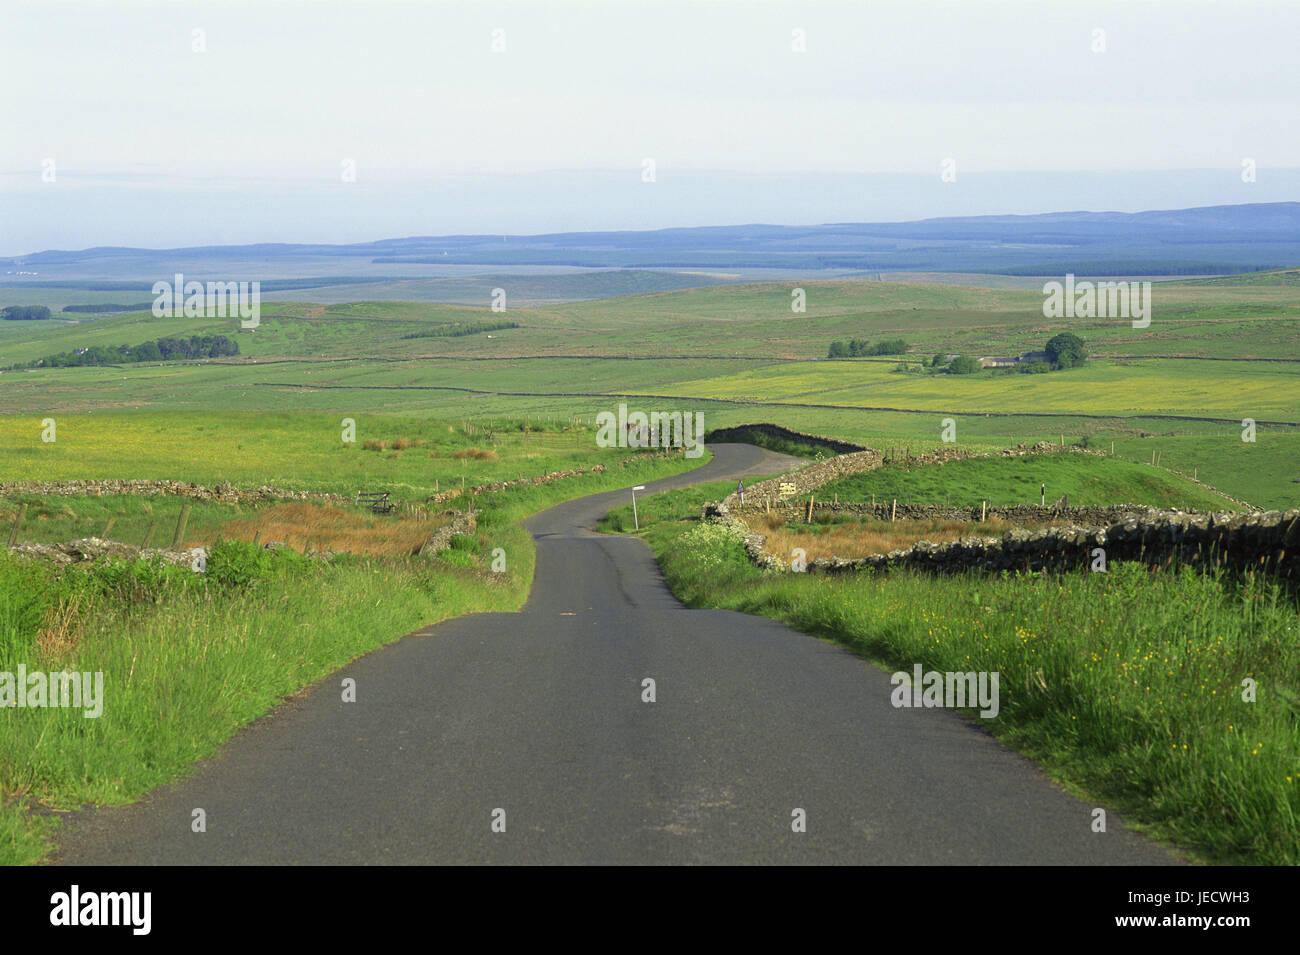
x=536 y=718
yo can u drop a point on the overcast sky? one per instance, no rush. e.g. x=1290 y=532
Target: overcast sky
x=155 y=144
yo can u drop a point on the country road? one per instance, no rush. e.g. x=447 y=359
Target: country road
x=540 y=714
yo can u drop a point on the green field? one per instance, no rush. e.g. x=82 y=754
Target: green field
x=1106 y=388
x=1004 y=481
x=735 y=352
x=303 y=451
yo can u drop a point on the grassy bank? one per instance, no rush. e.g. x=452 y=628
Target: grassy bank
x=188 y=659
x=1126 y=686
x=1085 y=479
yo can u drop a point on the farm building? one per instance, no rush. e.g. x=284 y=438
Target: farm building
x=1007 y=362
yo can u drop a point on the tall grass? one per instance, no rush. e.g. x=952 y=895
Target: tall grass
x=1127 y=685
x=846 y=537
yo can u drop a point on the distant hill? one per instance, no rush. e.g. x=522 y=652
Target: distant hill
x=1200 y=241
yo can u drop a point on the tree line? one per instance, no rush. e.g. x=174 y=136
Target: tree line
x=25 y=313
x=456 y=331
x=162 y=349
x=861 y=348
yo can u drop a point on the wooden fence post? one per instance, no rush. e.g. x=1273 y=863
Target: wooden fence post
x=148 y=535
x=18 y=521
x=181 y=521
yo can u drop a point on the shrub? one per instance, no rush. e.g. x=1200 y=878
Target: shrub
x=964 y=365
x=140 y=581
x=1066 y=350
x=240 y=564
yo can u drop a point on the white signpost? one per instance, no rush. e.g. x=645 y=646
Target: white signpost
x=636 y=524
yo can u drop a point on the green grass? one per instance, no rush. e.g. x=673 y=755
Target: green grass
x=52 y=519
x=293 y=451
x=1086 y=479
x=735 y=352
x=1230 y=390
x=665 y=506
x=1126 y=686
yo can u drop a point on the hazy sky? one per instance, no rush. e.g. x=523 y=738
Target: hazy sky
x=156 y=144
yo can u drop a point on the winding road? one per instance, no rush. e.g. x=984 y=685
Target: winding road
x=540 y=714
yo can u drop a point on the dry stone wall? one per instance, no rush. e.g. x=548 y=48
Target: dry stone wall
x=814 y=476
x=91 y=549
x=1263 y=540
x=1091 y=516
x=452 y=493
x=226 y=493
x=440 y=539
x=766 y=495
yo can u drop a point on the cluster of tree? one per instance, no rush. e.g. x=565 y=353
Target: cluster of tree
x=963 y=365
x=163 y=349
x=455 y=331
x=1062 y=351
x=1066 y=350
x=25 y=313
x=861 y=348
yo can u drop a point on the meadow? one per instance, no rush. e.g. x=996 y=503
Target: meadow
x=1084 y=479
x=295 y=451
x=1105 y=388
x=738 y=354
